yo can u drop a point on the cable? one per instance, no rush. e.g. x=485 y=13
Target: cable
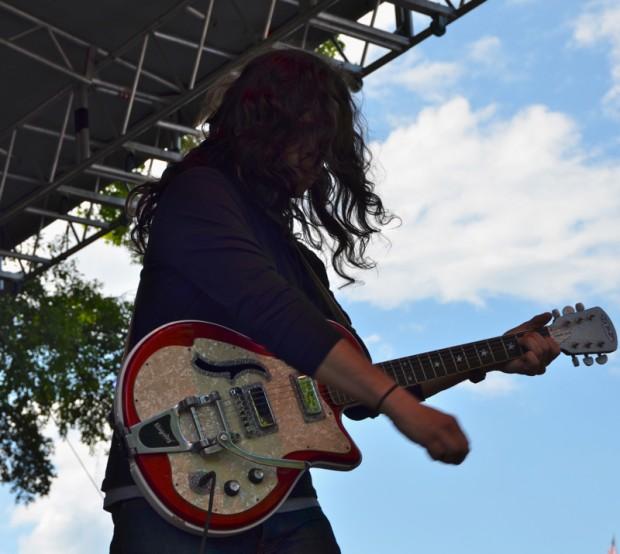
x=90 y=477
x=210 y=476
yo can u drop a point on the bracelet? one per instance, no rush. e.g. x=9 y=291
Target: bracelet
x=385 y=395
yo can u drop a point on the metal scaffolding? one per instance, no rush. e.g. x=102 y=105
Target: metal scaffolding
x=92 y=91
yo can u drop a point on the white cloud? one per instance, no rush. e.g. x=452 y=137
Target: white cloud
x=599 y=23
x=380 y=349
x=486 y=50
x=429 y=80
x=111 y=265
x=70 y=520
x=437 y=81
x=494 y=206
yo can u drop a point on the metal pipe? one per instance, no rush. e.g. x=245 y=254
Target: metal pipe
x=120 y=90
x=135 y=84
x=110 y=57
x=94 y=197
x=284 y=31
x=66 y=217
x=45 y=61
x=59 y=48
x=7 y=162
x=272 y=7
x=114 y=173
x=372 y=24
x=20 y=256
x=201 y=45
x=40 y=24
x=193 y=45
x=11 y=276
x=183 y=129
x=61 y=139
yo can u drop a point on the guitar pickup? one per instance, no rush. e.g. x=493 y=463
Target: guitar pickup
x=308 y=397
x=254 y=409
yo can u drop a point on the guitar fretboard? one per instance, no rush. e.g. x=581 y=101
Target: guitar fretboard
x=414 y=370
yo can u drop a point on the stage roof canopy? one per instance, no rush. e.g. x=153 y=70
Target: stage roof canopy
x=93 y=89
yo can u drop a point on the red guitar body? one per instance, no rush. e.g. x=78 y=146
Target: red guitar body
x=195 y=399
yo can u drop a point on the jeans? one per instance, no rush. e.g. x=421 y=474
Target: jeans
x=138 y=529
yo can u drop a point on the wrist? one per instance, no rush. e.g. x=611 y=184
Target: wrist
x=399 y=403
x=384 y=397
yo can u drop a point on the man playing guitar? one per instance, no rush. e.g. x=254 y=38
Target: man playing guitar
x=284 y=158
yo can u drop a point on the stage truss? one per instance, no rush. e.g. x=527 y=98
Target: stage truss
x=93 y=91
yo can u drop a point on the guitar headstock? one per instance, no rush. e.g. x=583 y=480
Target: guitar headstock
x=581 y=331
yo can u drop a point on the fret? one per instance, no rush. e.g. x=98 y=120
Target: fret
x=411 y=371
x=484 y=353
x=387 y=368
x=501 y=340
x=438 y=367
x=391 y=368
x=404 y=381
x=418 y=371
x=498 y=350
x=395 y=368
x=407 y=377
x=427 y=366
x=512 y=346
x=460 y=358
x=471 y=356
x=448 y=361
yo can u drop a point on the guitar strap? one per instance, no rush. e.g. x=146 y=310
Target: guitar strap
x=331 y=304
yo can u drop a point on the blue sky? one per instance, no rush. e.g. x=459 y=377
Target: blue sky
x=498 y=146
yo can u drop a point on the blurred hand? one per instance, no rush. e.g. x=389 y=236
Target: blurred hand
x=439 y=433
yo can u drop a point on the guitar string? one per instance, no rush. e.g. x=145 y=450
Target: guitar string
x=404 y=368
x=392 y=371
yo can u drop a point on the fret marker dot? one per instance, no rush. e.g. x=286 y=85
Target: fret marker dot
x=511 y=346
x=459 y=359
x=436 y=364
x=483 y=353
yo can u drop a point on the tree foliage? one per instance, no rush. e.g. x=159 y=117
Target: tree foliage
x=61 y=344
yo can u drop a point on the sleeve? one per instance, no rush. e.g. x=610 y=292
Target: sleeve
x=200 y=228
x=355 y=412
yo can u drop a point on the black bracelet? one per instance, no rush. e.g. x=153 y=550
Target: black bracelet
x=385 y=395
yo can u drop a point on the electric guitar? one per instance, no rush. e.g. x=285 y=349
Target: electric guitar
x=215 y=424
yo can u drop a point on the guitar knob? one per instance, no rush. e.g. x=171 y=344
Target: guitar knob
x=232 y=488
x=555 y=313
x=568 y=310
x=601 y=359
x=256 y=475
x=587 y=359
x=575 y=360
x=580 y=307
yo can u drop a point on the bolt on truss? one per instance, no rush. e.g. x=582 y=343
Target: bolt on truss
x=111 y=102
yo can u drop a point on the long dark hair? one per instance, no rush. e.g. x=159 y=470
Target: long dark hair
x=284 y=99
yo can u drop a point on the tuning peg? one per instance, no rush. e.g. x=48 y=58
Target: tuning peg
x=580 y=307
x=587 y=359
x=555 y=313
x=601 y=359
x=575 y=360
x=568 y=310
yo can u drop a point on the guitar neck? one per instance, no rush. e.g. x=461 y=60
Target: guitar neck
x=420 y=368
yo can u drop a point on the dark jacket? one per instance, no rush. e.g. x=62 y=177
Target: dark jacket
x=215 y=255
